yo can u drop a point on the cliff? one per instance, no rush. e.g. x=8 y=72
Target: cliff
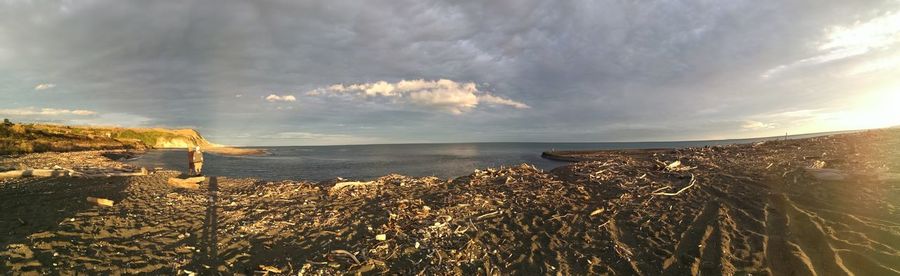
x=160 y=138
x=28 y=138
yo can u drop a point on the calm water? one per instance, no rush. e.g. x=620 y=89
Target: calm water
x=362 y=162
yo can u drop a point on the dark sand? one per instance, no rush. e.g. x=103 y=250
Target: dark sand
x=752 y=209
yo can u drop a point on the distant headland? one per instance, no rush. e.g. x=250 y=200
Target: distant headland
x=18 y=138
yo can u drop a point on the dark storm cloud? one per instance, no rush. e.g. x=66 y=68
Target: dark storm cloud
x=589 y=70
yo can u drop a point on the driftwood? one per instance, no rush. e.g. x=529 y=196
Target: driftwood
x=269 y=268
x=36 y=173
x=140 y=173
x=674 y=165
x=342 y=185
x=693 y=181
x=100 y=201
x=345 y=253
x=188 y=183
x=65 y=172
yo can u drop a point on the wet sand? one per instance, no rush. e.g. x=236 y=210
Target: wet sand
x=739 y=209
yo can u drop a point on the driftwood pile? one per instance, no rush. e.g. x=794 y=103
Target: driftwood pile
x=63 y=172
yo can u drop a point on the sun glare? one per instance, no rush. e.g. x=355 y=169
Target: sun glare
x=874 y=110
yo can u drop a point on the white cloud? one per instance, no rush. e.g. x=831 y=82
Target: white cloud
x=491 y=99
x=844 y=42
x=795 y=114
x=44 y=86
x=31 y=111
x=445 y=95
x=862 y=37
x=756 y=125
x=282 y=98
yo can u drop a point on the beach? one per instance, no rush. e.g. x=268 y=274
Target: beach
x=815 y=206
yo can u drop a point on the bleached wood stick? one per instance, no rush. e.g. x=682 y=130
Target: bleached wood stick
x=693 y=181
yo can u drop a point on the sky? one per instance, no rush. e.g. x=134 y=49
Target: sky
x=363 y=72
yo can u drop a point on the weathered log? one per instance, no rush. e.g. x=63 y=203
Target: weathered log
x=35 y=173
x=100 y=201
x=188 y=183
x=342 y=185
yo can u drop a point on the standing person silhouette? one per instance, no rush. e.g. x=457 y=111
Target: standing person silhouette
x=197 y=161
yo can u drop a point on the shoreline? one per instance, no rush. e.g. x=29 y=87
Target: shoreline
x=719 y=210
x=592 y=155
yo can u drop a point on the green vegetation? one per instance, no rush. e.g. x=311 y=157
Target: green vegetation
x=29 y=138
x=150 y=137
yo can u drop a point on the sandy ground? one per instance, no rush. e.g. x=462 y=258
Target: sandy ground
x=742 y=209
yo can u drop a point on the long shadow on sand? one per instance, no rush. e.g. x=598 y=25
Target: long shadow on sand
x=209 y=251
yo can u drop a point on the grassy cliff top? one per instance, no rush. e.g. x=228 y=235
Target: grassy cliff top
x=28 y=138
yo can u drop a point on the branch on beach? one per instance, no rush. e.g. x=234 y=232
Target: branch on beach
x=675 y=166
x=342 y=185
x=100 y=201
x=693 y=181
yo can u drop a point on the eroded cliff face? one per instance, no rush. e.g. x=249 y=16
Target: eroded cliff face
x=179 y=142
x=182 y=138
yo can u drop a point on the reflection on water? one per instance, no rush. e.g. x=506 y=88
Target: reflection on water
x=371 y=161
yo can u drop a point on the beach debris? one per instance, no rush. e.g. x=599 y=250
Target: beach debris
x=100 y=201
x=818 y=164
x=341 y=185
x=693 y=181
x=489 y=215
x=112 y=174
x=268 y=268
x=674 y=165
x=492 y=221
x=36 y=173
x=186 y=183
x=340 y=253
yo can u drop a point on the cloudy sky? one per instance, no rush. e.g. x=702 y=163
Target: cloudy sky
x=338 y=72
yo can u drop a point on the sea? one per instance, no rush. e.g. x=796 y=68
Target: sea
x=366 y=162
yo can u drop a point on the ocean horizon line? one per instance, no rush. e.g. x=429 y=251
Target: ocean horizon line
x=749 y=139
